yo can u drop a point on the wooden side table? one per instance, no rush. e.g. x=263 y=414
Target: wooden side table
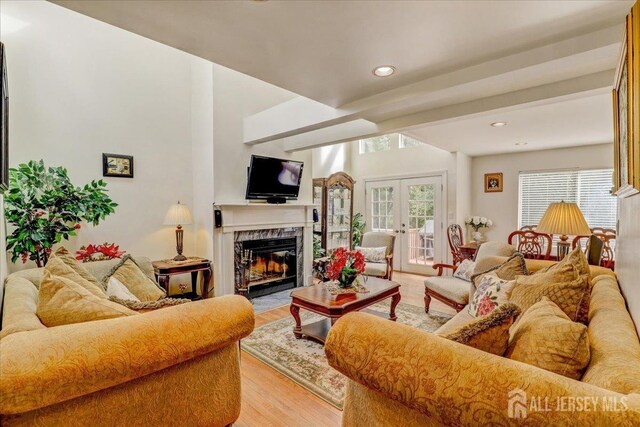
x=164 y=269
x=468 y=251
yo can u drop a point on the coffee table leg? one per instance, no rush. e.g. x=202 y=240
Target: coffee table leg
x=295 y=312
x=394 y=302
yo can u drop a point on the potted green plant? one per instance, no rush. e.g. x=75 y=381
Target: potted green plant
x=357 y=225
x=44 y=207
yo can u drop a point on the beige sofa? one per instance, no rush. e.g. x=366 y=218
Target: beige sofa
x=404 y=377
x=166 y=367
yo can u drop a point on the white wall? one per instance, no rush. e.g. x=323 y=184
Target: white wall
x=3 y=252
x=502 y=207
x=235 y=97
x=331 y=159
x=202 y=155
x=463 y=187
x=80 y=88
x=627 y=250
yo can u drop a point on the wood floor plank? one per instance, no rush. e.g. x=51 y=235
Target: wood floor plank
x=271 y=399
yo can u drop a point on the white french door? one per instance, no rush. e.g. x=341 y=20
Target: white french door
x=412 y=209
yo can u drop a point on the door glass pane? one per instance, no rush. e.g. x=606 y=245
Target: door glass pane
x=381 y=210
x=420 y=204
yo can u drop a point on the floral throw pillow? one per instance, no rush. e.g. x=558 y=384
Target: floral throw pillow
x=491 y=292
x=373 y=254
x=465 y=270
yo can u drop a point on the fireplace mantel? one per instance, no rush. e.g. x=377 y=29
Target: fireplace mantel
x=257 y=216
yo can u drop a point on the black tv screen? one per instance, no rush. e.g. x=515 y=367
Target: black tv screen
x=273 y=178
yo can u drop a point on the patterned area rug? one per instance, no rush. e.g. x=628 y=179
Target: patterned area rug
x=304 y=360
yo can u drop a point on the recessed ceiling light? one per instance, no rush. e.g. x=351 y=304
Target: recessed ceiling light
x=498 y=124
x=520 y=144
x=384 y=70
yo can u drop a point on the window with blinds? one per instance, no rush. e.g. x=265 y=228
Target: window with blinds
x=590 y=189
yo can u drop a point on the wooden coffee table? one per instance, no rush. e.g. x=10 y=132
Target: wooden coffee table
x=317 y=299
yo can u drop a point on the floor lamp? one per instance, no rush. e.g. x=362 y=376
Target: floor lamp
x=564 y=219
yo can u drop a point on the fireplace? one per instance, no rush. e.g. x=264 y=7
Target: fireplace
x=268 y=261
x=271 y=266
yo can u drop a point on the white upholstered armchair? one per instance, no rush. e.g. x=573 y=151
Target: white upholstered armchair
x=378 y=239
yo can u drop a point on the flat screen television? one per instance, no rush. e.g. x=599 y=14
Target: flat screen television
x=275 y=180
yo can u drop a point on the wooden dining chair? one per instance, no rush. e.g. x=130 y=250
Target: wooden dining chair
x=608 y=237
x=531 y=244
x=454 y=234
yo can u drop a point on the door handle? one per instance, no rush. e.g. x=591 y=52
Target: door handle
x=403 y=231
x=396 y=231
x=403 y=225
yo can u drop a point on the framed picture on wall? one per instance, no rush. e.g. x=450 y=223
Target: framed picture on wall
x=626 y=99
x=117 y=165
x=4 y=122
x=493 y=182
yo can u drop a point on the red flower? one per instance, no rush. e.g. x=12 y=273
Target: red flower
x=342 y=259
x=77 y=226
x=108 y=251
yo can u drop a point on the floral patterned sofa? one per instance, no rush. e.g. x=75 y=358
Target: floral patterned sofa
x=400 y=376
x=165 y=367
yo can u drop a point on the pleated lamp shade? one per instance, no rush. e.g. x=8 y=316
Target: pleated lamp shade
x=565 y=219
x=178 y=214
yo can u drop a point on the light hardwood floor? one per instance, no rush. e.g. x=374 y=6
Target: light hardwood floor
x=271 y=399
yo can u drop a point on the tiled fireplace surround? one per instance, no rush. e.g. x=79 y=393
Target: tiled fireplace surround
x=248 y=221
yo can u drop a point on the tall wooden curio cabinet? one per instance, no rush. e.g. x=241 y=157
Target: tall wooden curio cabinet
x=334 y=196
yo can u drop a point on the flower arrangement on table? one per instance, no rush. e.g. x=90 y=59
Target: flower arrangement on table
x=102 y=252
x=345 y=266
x=478 y=223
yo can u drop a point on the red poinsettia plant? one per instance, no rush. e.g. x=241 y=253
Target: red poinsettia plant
x=99 y=252
x=345 y=266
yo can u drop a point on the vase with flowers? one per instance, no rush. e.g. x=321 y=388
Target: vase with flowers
x=345 y=266
x=478 y=223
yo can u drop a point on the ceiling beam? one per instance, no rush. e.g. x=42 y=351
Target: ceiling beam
x=557 y=62
x=544 y=94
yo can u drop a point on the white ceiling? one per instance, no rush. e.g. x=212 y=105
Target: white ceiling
x=570 y=123
x=325 y=50
x=546 y=67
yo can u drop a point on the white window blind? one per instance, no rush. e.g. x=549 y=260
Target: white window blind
x=588 y=188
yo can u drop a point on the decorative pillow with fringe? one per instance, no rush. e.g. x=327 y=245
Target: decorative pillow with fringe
x=138 y=283
x=144 y=306
x=488 y=333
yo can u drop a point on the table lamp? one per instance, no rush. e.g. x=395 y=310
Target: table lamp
x=178 y=215
x=563 y=219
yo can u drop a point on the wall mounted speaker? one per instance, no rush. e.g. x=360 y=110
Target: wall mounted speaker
x=217 y=218
x=316 y=218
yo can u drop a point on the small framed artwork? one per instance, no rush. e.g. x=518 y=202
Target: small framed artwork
x=117 y=165
x=493 y=182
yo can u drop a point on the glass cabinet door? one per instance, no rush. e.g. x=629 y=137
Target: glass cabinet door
x=317 y=200
x=338 y=217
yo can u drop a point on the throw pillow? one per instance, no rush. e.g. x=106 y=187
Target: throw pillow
x=578 y=259
x=373 y=254
x=508 y=270
x=62 y=301
x=465 y=270
x=115 y=289
x=491 y=292
x=63 y=255
x=58 y=267
x=545 y=337
x=563 y=286
x=138 y=283
x=144 y=306
x=488 y=333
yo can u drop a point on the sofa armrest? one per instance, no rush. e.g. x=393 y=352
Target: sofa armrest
x=449 y=381
x=42 y=367
x=441 y=267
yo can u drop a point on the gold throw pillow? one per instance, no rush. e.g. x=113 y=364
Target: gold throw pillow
x=563 y=286
x=61 y=301
x=63 y=255
x=507 y=270
x=578 y=259
x=488 y=333
x=545 y=337
x=138 y=283
x=58 y=267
